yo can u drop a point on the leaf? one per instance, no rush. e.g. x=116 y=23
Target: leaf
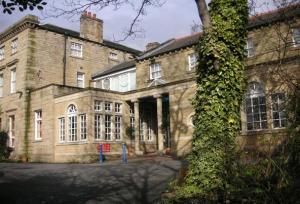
x=4 y=4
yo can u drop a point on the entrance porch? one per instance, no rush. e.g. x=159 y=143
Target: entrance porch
x=151 y=124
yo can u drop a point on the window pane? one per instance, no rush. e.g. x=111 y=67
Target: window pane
x=97 y=125
x=278 y=110
x=256 y=107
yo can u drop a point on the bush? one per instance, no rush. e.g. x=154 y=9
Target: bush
x=4 y=149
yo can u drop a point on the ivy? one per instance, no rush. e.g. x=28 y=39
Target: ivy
x=217 y=103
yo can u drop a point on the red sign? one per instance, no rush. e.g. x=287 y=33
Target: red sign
x=105 y=147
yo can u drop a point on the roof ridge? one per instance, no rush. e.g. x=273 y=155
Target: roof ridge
x=187 y=36
x=276 y=10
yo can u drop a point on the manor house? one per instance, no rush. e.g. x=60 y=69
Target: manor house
x=62 y=92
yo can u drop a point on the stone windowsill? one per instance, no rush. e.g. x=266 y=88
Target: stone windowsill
x=262 y=132
x=80 y=58
x=72 y=143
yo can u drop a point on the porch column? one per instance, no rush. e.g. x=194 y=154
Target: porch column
x=136 y=126
x=159 y=123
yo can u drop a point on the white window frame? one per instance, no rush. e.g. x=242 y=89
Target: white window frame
x=108 y=127
x=13 y=80
x=72 y=123
x=155 y=71
x=97 y=105
x=118 y=127
x=113 y=55
x=250 y=52
x=1 y=84
x=142 y=130
x=2 y=53
x=76 y=49
x=256 y=94
x=108 y=106
x=132 y=123
x=97 y=126
x=106 y=86
x=296 y=39
x=193 y=61
x=83 y=127
x=14 y=46
x=38 y=124
x=80 y=79
x=62 y=126
x=100 y=82
x=11 y=132
x=282 y=118
x=118 y=107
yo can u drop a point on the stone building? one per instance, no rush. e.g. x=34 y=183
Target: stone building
x=64 y=92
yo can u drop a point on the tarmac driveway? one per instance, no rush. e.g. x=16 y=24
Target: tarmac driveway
x=138 y=181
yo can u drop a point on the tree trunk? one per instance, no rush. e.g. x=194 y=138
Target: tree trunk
x=203 y=14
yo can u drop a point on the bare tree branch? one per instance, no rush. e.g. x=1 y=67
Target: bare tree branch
x=71 y=8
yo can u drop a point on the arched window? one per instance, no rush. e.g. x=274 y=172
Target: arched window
x=256 y=107
x=72 y=116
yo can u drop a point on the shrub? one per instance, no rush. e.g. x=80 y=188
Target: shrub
x=4 y=149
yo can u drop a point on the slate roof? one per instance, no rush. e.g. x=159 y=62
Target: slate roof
x=274 y=16
x=180 y=43
x=76 y=34
x=116 y=68
x=171 y=45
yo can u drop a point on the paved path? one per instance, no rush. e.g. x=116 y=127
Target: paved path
x=139 y=181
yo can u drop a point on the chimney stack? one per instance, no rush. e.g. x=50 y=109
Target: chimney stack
x=91 y=27
x=152 y=45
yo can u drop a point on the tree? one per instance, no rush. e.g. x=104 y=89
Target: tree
x=220 y=89
x=10 y=5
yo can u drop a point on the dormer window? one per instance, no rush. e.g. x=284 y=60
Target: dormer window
x=76 y=49
x=2 y=53
x=193 y=61
x=155 y=71
x=14 y=46
x=113 y=55
x=249 y=51
x=296 y=36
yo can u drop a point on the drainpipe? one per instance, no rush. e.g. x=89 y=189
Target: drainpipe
x=27 y=123
x=65 y=59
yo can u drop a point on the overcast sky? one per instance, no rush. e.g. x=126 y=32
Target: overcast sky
x=173 y=19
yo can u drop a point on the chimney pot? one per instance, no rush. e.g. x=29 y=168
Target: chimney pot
x=152 y=45
x=94 y=15
x=85 y=13
x=89 y=14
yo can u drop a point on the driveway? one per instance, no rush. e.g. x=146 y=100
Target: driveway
x=139 y=181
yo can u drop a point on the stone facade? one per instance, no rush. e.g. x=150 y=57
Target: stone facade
x=60 y=117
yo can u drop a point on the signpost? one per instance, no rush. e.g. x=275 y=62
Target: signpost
x=124 y=159
x=102 y=148
x=106 y=148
